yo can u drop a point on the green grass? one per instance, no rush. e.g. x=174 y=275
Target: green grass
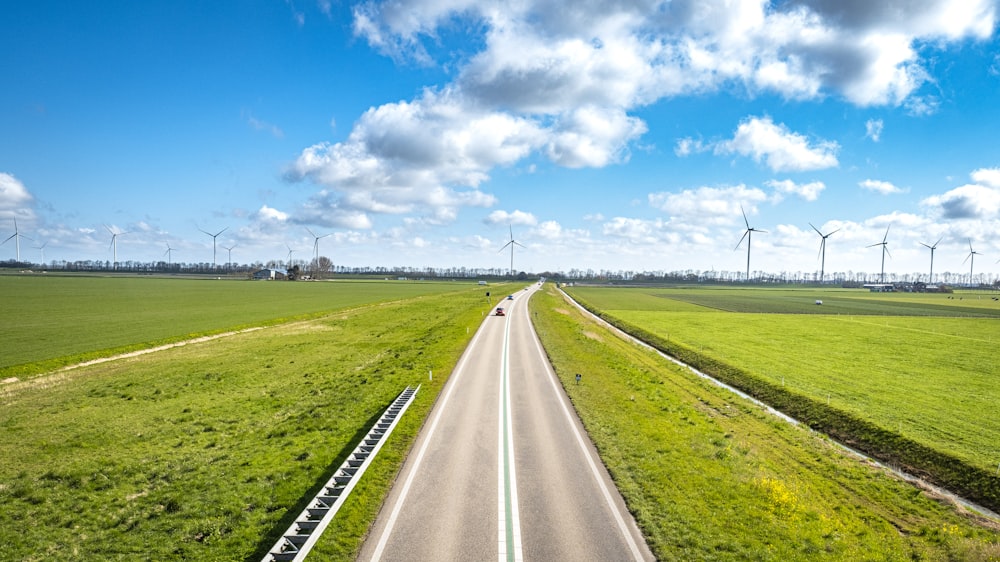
x=710 y=477
x=52 y=321
x=207 y=451
x=917 y=391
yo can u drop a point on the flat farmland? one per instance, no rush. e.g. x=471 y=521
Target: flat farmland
x=922 y=367
x=207 y=451
x=710 y=476
x=52 y=321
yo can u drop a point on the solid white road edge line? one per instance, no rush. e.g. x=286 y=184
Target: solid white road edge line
x=622 y=526
x=452 y=383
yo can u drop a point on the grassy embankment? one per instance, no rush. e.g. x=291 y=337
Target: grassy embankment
x=915 y=391
x=206 y=451
x=711 y=477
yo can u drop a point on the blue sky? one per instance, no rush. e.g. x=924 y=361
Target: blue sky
x=619 y=136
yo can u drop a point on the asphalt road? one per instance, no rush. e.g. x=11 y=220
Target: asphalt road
x=503 y=470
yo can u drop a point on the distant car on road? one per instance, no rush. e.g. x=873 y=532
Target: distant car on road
x=500 y=311
x=510 y=297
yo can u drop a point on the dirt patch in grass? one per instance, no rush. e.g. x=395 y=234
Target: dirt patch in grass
x=593 y=336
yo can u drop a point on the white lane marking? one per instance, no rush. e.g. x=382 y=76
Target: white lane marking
x=622 y=526
x=452 y=383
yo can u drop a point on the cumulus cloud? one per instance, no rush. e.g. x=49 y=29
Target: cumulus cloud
x=15 y=199
x=562 y=81
x=12 y=191
x=270 y=214
x=808 y=191
x=978 y=200
x=779 y=148
x=516 y=217
x=878 y=186
x=708 y=205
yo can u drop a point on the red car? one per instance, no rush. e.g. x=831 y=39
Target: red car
x=500 y=311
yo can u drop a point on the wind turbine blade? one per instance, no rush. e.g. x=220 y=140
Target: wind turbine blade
x=221 y=231
x=505 y=246
x=745 y=217
x=886 y=250
x=831 y=232
x=926 y=246
x=822 y=243
x=938 y=242
x=8 y=238
x=311 y=233
x=886 y=237
x=816 y=229
x=745 y=234
x=518 y=243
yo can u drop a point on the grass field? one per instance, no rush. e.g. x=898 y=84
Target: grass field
x=51 y=321
x=711 y=477
x=206 y=451
x=927 y=372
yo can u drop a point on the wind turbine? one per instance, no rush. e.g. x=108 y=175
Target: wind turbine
x=822 y=250
x=229 y=264
x=114 y=244
x=288 y=264
x=932 y=248
x=41 y=250
x=747 y=234
x=214 y=236
x=971 y=258
x=168 y=254
x=885 y=250
x=512 y=243
x=17 y=240
x=316 y=247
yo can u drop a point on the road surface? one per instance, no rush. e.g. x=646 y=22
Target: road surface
x=502 y=470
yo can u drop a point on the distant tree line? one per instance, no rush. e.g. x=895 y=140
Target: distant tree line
x=325 y=268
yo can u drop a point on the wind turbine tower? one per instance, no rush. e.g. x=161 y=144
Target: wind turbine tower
x=316 y=247
x=885 y=250
x=747 y=235
x=17 y=240
x=932 y=248
x=214 y=236
x=229 y=264
x=41 y=250
x=114 y=244
x=512 y=243
x=971 y=258
x=168 y=254
x=822 y=250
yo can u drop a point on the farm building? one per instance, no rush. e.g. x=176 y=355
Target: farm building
x=880 y=287
x=269 y=274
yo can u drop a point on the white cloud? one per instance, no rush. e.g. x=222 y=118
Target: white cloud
x=978 y=200
x=706 y=206
x=563 y=80
x=808 y=191
x=259 y=125
x=873 y=129
x=637 y=231
x=878 y=186
x=516 y=217
x=269 y=214
x=15 y=199
x=779 y=148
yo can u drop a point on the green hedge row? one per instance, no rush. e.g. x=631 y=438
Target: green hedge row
x=946 y=471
